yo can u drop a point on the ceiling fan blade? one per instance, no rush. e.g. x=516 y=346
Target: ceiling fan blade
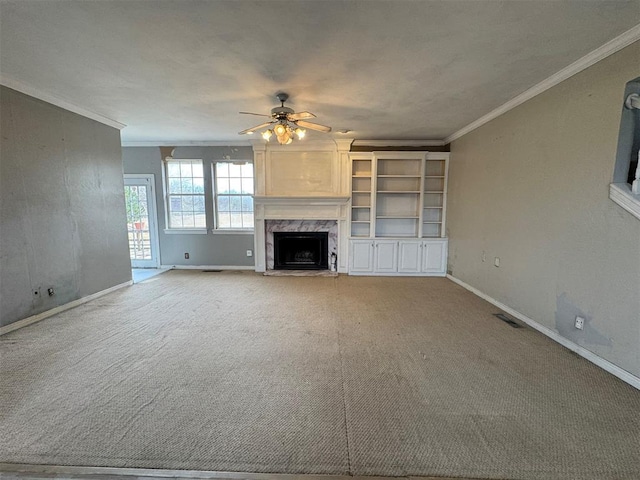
x=257 y=114
x=314 y=126
x=253 y=129
x=300 y=116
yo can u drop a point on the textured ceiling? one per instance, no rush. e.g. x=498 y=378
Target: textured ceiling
x=182 y=70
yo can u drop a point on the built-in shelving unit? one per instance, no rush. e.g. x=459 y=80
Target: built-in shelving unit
x=398 y=205
x=361 y=188
x=435 y=189
x=397 y=195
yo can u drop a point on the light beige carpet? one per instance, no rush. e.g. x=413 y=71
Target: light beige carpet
x=236 y=371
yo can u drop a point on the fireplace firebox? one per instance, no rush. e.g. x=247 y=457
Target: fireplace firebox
x=300 y=250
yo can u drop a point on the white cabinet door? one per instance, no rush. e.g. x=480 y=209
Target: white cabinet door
x=409 y=256
x=386 y=256
x=434 y=257
x=361 y=256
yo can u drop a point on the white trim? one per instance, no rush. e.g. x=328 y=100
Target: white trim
x=61 y=308
x=58 y=102
x=398 y=143
x=609 y=48
x=613 y=369
x=621 y=194
x=186 y=231
x=187 y=143
x=228 y=231
x=209 y=267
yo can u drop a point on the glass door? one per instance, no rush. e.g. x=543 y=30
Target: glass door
x=141 y=221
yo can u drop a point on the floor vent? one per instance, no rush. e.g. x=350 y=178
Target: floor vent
x=506 y=319
x=211 y=271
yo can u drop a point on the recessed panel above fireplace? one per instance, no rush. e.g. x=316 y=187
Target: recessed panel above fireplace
x=301 y=250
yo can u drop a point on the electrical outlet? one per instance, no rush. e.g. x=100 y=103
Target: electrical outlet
x=51 y=291
x=249 y=253
x=579 y=322
x=186 y=256
x=496 y=261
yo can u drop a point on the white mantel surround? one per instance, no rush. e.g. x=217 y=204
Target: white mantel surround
x=302 y=181
x=301 y=208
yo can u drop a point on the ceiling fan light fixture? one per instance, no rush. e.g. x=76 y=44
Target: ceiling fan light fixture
x=285 y=123
x=285 y=138
x=280 y=129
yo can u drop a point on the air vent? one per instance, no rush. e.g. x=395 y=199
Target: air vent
x=506 y=319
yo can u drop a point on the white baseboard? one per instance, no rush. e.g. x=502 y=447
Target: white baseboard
x=209 y=267
x=61 y=308
x=574 y=347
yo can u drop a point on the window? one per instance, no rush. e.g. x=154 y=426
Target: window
x=185 y=195
x=233 y=195
x=625 y=189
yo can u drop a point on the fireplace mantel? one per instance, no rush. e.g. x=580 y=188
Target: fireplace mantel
x=300 y=208
x=307 y=182
x=299 y=200
x=268 y=207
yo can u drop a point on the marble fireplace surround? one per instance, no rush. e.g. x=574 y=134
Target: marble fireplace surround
x=330 y=226
x=300 y=214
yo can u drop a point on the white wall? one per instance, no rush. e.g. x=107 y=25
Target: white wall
x=63 y=222
x=531 y=187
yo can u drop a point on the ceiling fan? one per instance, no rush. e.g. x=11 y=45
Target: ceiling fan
x=286 y=123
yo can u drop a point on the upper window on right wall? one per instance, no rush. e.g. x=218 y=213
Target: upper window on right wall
x=625 y=189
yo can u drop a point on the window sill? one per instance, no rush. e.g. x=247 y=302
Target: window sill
x=621 y=194
x=232 y=232
x=185 y=231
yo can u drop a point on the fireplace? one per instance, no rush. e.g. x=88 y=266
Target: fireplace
x=301 y=250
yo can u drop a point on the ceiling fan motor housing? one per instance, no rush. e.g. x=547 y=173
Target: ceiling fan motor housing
x=280 y=113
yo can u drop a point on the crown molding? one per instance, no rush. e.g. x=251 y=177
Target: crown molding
x=398 y=143
x=195 y=143
x=58 y=102
x=609 y=48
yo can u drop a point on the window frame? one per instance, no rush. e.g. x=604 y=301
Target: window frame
x=167 y=198
x=214 y=187
x=620 y=191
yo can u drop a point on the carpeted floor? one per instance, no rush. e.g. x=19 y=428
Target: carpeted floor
x=235 y=371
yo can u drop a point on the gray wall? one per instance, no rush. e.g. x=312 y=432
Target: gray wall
x=531 y=187
x=62 y=211
x=213 y=249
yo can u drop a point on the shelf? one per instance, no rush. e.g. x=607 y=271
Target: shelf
x=398 y=176
x=434 y=176
x=361 y=176
x=397 y=216
x=434 y=191
x=360 y=221
x=395 y=235
x=399 y=191
x=361 y=191
x=430 y=207
x=367 y=206
x=434 y=223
